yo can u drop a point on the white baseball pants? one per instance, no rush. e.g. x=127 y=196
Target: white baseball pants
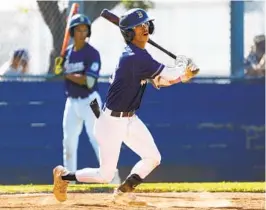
x=110 y=133
x=77 y=111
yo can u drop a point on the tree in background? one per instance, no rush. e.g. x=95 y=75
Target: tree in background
x=56 y=19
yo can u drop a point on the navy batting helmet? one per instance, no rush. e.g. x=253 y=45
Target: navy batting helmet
x=132 y=18
x=79 y=19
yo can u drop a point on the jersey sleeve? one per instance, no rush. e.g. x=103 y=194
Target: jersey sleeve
x=94 y=65
x=148 y=67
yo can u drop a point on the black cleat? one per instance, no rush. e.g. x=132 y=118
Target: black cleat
x=130 y=183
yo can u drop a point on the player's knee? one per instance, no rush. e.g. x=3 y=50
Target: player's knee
x=157 y=159
x=154 y=159
x=107 y=176
x=106 y=179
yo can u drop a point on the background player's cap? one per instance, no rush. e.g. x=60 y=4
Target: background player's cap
x=79 y=19
x=22 y=54
x=133 y=17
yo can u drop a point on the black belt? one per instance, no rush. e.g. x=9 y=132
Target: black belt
x=82 y=97
x=121 y=114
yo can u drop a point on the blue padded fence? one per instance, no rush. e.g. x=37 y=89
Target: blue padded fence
x=205 y=132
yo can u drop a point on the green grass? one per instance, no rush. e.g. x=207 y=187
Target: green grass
x=148 y=187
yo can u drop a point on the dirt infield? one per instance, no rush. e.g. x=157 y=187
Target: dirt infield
x=173 y=201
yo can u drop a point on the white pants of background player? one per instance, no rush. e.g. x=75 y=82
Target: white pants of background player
x=78 y=112
x=110 y=133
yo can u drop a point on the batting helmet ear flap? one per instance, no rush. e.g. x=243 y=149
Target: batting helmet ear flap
x=151 y=27
x=71 y=31
x=89 y=31
x=128 y=34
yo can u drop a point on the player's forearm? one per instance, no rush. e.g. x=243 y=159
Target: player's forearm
x=170 y=76
x=77 y=78
x=182 y=72
x=159 y=82
x=261 y=65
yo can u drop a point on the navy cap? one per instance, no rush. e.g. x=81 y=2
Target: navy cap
x=133 y=17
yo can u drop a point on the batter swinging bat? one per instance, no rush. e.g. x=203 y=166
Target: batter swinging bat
x=115 y=20
x=59 y=60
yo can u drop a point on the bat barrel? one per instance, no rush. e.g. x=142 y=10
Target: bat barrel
x=107 y=14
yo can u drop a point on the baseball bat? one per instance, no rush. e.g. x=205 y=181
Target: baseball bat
x=59 y=60
x=107 y=14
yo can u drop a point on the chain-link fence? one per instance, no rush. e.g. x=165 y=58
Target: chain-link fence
x=200 y=30
x=35 y=26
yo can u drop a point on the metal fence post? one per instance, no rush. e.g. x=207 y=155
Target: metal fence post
x=237 y=38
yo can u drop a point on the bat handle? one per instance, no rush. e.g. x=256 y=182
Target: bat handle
x=162 y=49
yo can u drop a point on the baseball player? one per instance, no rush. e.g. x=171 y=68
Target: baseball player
x=81 y=67
x=17 y=66
x=118 y=121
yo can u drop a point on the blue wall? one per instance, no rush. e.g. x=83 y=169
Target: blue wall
x=205 y=132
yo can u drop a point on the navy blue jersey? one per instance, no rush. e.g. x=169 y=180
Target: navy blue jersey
x=85 y=61
x=135 y=66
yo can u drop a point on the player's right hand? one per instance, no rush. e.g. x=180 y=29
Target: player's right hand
x=191 y=71
x=58 y=65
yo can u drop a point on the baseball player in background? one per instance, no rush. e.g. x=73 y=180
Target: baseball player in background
x=17 y=65
x=81 y=68
x=118 y=121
